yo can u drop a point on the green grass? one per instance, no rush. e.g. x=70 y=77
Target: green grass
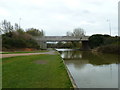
x=23 y=72
x=23 y=52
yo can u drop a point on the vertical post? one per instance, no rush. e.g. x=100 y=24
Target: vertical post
x=19 y=22
x=1 y=62
x=109 y=26
x=118 y=43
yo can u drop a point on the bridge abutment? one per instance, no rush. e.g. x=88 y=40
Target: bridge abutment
x=43 y=45
x=85 y=45
x=42 y=41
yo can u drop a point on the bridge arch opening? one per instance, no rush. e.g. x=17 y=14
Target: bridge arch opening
x=43 y=41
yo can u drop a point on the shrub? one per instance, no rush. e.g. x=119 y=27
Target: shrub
x=112 y=48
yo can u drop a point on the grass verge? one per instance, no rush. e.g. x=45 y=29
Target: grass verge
x=37 y=71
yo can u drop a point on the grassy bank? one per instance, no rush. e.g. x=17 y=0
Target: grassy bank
x=38 y=71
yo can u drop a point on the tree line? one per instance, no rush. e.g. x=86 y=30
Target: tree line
x=13 y=36
x=105 y=43
x=77 y=32
x=97 y=42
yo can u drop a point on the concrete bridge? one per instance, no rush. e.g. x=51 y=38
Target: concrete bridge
x=42 y=40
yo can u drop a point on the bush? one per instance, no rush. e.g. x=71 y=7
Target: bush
x=101 y=40
x=17 y=40
x=15 y=37
x=96 y=40
x=112 y=48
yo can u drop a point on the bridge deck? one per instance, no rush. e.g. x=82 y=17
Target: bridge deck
x=61 y=38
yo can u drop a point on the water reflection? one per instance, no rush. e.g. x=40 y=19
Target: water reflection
x=92 y=58
x=92 y=70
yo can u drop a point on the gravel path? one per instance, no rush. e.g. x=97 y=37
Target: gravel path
x=26 y=54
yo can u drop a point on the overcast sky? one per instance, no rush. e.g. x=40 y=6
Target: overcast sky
x=56 y=17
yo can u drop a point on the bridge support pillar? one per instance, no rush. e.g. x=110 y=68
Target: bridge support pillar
x=43 y=45
x=85 y=45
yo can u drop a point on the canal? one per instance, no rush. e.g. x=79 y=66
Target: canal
x=91 y=70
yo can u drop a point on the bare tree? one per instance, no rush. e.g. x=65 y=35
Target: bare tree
x=16 y=27
x=69 y=33
x=78 y=32
x=6 y=27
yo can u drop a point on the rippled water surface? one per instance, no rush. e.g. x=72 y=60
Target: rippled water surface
x=92 y=70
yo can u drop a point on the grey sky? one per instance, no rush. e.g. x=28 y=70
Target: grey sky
x=56 y=17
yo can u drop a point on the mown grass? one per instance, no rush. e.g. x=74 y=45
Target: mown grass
x=24 y=72
x=23 y=52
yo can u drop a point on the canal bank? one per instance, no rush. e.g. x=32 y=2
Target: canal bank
x=35 y=71
x=90 y=70
x=69 y=74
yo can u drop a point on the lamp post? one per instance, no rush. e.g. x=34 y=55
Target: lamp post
x=109 y=25
x=19 y=22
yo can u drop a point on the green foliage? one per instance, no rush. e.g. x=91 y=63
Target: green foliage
x=16 y=37
x=35 y=32
x=68 y=45
x=65 y=45
x=112 y=48
x=18 y=41
x=20 y=31
x=105 y=43
x=100 y=40
x=96 y=40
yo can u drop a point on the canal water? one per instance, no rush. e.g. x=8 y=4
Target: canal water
x=91 y=70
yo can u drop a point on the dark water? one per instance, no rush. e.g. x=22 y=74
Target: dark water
x=92 y=70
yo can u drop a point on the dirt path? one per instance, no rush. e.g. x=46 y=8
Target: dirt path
x=26 y=54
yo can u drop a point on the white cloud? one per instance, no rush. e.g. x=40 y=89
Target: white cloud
x=4 y=12
x=87 y=23
x=61 y=15
x=72 y=4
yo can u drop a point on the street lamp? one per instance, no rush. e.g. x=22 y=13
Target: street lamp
x=109 y=25
x=19 y=22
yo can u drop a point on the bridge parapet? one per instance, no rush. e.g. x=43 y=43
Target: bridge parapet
x=61 y=38
x=85 y=38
